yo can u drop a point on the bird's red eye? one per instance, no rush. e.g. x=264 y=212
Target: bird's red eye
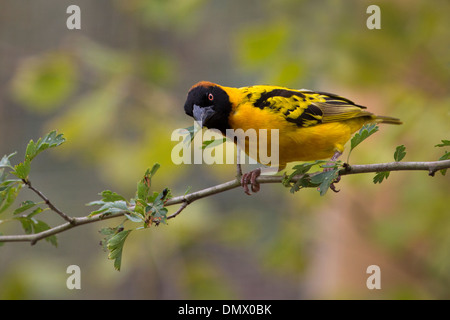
x=210 y=97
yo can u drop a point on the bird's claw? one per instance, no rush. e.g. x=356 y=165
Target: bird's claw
x=250 y=177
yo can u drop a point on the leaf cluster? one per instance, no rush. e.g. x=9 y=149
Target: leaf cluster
x=320 y=180
x=146 y=209
x=10 y=187
x=323 y=180
x=400 y=153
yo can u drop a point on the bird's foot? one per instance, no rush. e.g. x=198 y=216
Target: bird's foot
x=250 y=177
x=332 y=185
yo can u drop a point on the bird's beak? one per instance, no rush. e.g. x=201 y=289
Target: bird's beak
x=202 y=115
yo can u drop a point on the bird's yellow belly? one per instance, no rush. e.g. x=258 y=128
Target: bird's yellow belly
x=296 y=143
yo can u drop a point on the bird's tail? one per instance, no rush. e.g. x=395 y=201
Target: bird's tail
x=390 y=120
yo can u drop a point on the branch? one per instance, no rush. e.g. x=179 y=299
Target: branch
x=47 y=201
x=432 y=167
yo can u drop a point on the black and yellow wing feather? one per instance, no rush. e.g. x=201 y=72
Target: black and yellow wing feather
x=304 y=107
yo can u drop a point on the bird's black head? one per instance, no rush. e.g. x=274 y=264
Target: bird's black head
x=209 y=104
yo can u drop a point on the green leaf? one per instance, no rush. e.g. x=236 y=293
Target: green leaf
x=27 y=224
x=213 y=143
x=325 y=179
x=143 y=193
x=366 y=131
x=51 y=140
x=303 y=182
x=301 y=169
x=30 y=225
x=5 y=164
x=22 y=170
x=400 y=153
x=42 y=226
x=8 y=195
x=109 y=232
x=143 y=188
x=109 y=207
x=380 y=176
x=135 y=217
x=155 y=209
x=115 y=247
x=110 y=196
x=35 y=212
x=24 y=206
x=445 y=143
x=158 y=214
x=446 y=155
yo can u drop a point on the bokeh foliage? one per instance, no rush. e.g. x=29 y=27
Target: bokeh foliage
x=117 y=97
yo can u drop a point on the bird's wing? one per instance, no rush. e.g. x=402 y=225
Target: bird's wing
x=308 y=108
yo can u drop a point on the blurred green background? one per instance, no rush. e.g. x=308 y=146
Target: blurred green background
x=116 y=89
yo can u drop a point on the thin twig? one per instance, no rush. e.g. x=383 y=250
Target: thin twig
x=181 y=208
x=185 y=200
x=47 y=201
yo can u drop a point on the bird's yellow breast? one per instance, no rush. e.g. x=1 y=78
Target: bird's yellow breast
x=294 y=143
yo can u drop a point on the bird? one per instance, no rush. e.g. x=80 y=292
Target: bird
x=311 y=125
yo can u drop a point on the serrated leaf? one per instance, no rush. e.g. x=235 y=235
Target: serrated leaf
x=143 y=188
x=109 y=207
x=143 y=193
x=8 y=195
x=115 y=247
x=158 y=214
x=42 y=226
x=108 y=231
x=380 y=176
x=31 y=225
x=366 y=131
x=446 y=156
x=22 y=170
x=27 y=224
x=155 y=168
x=324 y=180
x=399 y=153
x=445 y=143
x=25 y=205
x=35 y=212
x=50 y=140
x=135 y=217
x=301 y=169
x=5 y=164
x=303 y=182
x=110 y=196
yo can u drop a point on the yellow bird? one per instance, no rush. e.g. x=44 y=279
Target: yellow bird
x=311 y=125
